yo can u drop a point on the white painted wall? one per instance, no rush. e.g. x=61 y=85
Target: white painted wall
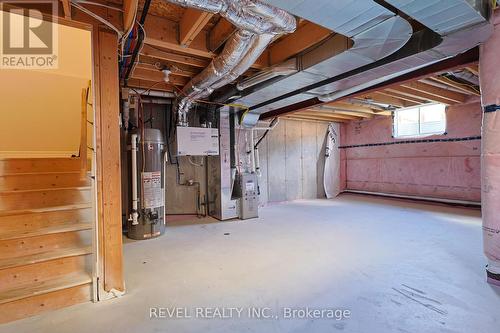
x=40 y=110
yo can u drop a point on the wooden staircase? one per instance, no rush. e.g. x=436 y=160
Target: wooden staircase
x=46 y=236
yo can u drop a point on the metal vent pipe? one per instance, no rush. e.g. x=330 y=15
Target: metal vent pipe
x=258 y=24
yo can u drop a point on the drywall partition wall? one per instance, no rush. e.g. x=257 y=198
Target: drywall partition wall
x=445 y=169
x=292 y=158
x=40 y=110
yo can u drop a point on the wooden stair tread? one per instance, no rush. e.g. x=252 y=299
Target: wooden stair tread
x=65 y=227
x=45 y=209
x=22 y=165
x=43 y=287
x=78 y=188
x=41 y=173
x=44 y=256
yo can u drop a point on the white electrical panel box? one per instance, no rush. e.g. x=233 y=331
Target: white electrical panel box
x=197 y=141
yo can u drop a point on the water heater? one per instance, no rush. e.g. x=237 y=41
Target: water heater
x=147 y=205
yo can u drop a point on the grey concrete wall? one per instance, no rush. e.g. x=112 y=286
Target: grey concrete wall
x=292 y=161
x=182 y=199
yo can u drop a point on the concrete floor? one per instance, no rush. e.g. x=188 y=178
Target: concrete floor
x=396 y=266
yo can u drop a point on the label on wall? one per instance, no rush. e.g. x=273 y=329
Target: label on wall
x=151 y=189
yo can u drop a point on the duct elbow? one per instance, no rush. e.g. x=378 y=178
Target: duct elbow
x=258 y=24
x=283 y=22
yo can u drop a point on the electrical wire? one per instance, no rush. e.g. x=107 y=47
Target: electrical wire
x=264 y=135
x=141 y=40
x=97 y=4
x=97 y=17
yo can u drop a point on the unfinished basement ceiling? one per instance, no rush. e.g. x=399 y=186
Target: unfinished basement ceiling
x=329 y=59
x=449 y=88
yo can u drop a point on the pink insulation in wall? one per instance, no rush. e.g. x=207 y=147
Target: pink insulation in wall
x=490 y=95
x=448 y=169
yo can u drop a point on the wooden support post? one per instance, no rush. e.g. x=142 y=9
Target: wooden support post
x=108 y=161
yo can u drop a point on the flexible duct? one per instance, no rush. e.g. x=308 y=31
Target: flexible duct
x=452 y=27
x=258 y=24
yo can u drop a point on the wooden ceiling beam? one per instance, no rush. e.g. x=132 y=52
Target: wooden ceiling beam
x=355 y=113
x=161 y=33
x=151 y=85
x=462 y=87
x=393 y=93
x=174 y=46
x=452 y=96
x=191 y=24
x=443 y=86
x=66 y=8
x=308 y=118
x=340 y=113
x=304 y=37
x=349 y=107
x=177 y=69
x=174 y=57
x=384 y=99
x=474 y=69
x=410 y=92
x=154 y=75
x=316 y=113
x=220 y=34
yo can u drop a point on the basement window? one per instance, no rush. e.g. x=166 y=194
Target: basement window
x=420 y=121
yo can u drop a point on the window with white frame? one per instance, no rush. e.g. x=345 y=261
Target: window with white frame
x=420 y=121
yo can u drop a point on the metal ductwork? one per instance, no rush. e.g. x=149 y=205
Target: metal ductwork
x=462 y=25
x=382 y=46
x=258 y=24
x=366 y=32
